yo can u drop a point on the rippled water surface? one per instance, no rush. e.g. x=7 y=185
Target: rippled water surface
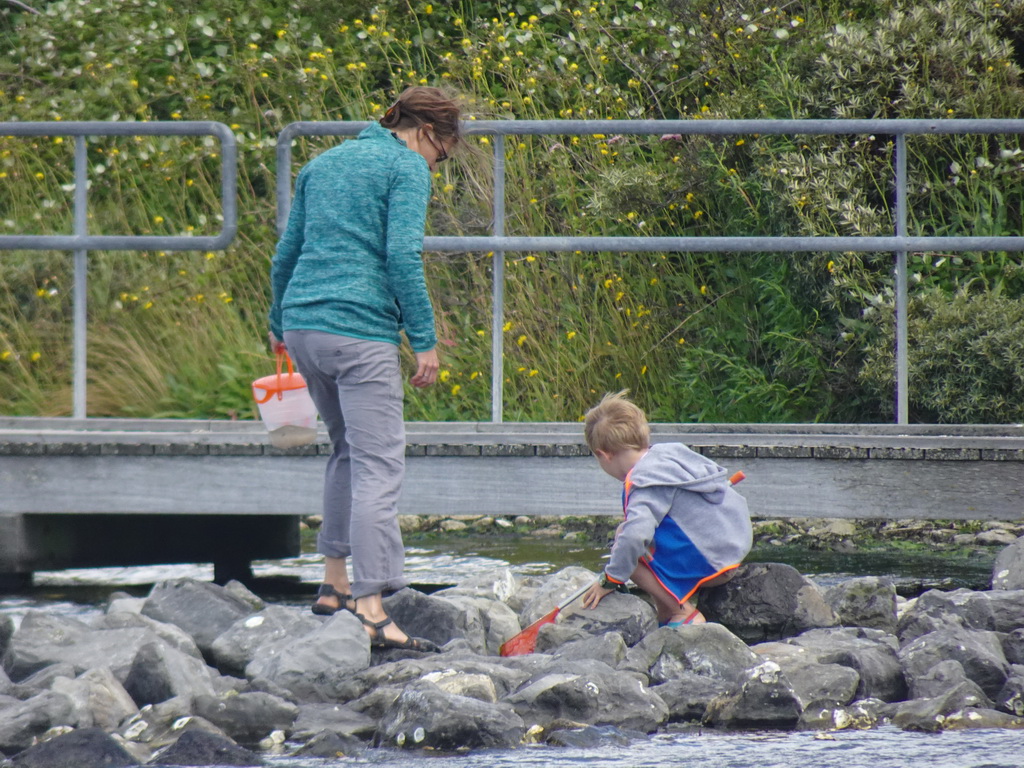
x=885 y=747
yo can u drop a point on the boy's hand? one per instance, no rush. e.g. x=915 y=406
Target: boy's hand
x=595 y=595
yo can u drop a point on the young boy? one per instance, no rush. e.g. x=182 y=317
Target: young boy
x=685 y=526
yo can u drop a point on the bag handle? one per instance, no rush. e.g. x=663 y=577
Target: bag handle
x=282 y=358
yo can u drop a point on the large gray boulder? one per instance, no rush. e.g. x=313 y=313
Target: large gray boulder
x=98 y=697
x=591 y=693
x=980 y=654
x=195 y=748
x=81 y=748
x=247 y=717
x=436 y=619
x=626 y=614
x=870 y=652
x=811 y=680
x=159 y=672
x=426 y=716
x=709 y=650
x=939 y=680
x=37 y=641
x=341 y=719
x=1008 y=570
x=764 y=700
x=687 y=696
x=1011 y=696
x=541 y=597
x=232 y=650
x=317 y=665
x=997 y=611
x=23 y=722
x=201 y=609
x=931 y=714
x=869 y=601
x=767 y=601
x=609 y=648
x=174 y=636
x=498 y=621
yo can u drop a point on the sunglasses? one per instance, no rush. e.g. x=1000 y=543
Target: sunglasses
x=442 y=155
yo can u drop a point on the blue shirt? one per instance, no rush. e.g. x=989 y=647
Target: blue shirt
x=349 y=261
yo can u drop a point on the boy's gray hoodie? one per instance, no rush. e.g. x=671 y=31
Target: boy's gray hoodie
x=674 y=496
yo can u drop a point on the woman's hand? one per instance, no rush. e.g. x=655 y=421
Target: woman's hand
x=426 y=368
x=276 y=345
x=595 y=595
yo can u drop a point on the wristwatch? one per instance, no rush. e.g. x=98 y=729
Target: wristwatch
x=607 y=583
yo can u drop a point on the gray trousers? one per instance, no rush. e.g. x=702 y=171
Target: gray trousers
x=357 y=388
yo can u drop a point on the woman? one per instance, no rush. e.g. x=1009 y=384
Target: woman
x=346 y=277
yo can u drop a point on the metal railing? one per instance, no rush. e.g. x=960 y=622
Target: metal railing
x=899 y=243
x=81 y=242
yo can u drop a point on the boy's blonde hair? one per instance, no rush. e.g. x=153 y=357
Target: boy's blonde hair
x=616 y=423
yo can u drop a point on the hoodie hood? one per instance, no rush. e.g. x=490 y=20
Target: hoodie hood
x=675 y=465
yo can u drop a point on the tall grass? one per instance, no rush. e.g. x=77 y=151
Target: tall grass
x=746 y=337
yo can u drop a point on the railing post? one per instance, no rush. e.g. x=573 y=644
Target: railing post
x=80 y=292
x=902 y=368
x=498 y=287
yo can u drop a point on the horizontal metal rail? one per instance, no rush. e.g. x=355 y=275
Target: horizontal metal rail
x=81 y=240
x=499 y=243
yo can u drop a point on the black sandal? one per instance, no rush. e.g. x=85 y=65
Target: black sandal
x=328 y=590
x=378 y=640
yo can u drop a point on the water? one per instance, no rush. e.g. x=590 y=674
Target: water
x=884 y=747
x=81 y=592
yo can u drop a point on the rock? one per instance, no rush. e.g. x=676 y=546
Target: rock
x=98 y=698
x=554 y=636
x=864 y=602
x=195 y=748
x=314 y=666
x=333 y=718
x=687 y=696
x=160 y=725
x=552 y=591
x=1013 y=648
x=765 y=700
x=592 y=737
x=232 y=650
x=42 y=680
x=247 y=717
x=973 y=717
x=6 y=633
x=825 y=716
x=499 y=622
x=870 y=652
x=980 y=654
x=473 y=686
x=1011 y=696
x=495 y=585
x=121 y=602
x=812 y=682
x=994 y=538
x=436 y=619
x=939 y=680
x=33 y=645
x=608 y=648
x=626 y=614
x=174 y=636
x=5 y=683
x=201 y=609
x=930 y=714
x=709 y=650
x=767 y=601
x=999 y=611
x=331 y=745
x=425 y=716
x=22 y=722
x=160 y=672
x=246 y=595
x=1008 y=570
x=82 y=748
x=589 y=693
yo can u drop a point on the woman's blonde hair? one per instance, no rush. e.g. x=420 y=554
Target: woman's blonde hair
x=616 y=423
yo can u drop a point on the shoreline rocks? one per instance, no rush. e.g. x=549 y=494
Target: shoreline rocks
x=198 y=672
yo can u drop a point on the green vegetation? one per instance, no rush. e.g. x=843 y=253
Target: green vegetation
x=743 y=337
